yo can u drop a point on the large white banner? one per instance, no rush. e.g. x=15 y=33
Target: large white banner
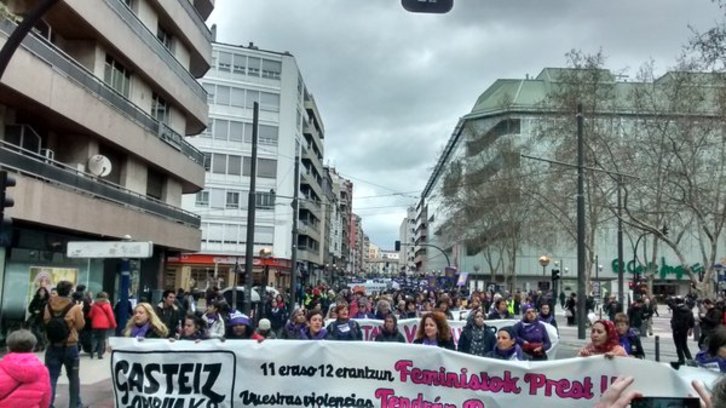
x=408 y=327
x=291 y=373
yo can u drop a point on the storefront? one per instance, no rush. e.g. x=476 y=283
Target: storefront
x=203 y=271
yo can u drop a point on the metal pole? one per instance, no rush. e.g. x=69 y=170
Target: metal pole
x=251 y=204
x=123 y=292
x=295 y=210
x=235 y=284
x=621 y=263
x=657 y=348
x=581 y=281
x=21 y=31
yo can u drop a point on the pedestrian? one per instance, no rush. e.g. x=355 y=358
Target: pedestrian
x=709 y=319
x=571 y=309
x=389 y=331
x=63 y=321
x=714 y=356
x=169 y=312
x=613 y=307
x=477 y=338
x=604 y=340
x=563 y=298
x=214 y=320
x=546 y=316
x=35 y=321
x=635 y=315
x=145 y=324
x=278 y=316
x=24 y=380
x=240 y=327
x=500 y=311
x=314 y=329
x=433 y=330
x=102 y=320
x=648 y=311
x=531 y=335
x=682 y=323
x=264 y=329
x=507 y=347
x=295 y=324
x=629 y=339
x=193 y=328
x=344 y=328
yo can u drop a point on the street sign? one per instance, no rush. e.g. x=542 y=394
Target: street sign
x=110 y=249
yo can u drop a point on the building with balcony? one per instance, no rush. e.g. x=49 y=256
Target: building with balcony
x=289 y=127
x=406 y=231
x=110 y=82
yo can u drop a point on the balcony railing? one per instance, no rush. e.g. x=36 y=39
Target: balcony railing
x=149 y=38
x=43 y=168
x=79 y=74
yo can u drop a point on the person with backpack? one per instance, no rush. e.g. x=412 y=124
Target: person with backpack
x=63 y=320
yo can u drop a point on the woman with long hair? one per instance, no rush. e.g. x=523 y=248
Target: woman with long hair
x=35 y=321
x=145 y=323
x=604 y=340
x=433 y=330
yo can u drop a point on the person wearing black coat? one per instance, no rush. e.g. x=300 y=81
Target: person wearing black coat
x=389 y=332
x=709 y=320
x=35 y=321
x=477 y=338
x=682 y=323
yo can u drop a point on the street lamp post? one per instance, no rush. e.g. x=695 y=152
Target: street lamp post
x=544 y=260
x=265 y=254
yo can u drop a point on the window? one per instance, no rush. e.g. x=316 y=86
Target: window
x=231 y=234
x=264 y=200
x=267 y=168
x=271 y=69
x=253 y=67
x=268 y=134
x=154 y=184
x=223 y=95
x=240 y=61
x=208 y=130
x=264 y=234
x=164 y=37
x=234 y=164
x=237 y=97
x=207 y=161
x=215 y=232
x=252 y=97
x=217 y=198
x=248 y=132
x=116 y=76
x=232 y=199
x=159 y=108
x=220 y=129
x=269 y=101
x=202 y=199
x=219 y=163
x=246 y=166
x=225 y=61
x=236 y=131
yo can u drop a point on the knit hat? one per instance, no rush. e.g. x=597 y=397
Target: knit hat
x=264 y=325
x=236 y=318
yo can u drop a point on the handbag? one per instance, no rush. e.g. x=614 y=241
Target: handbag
x=568 y=313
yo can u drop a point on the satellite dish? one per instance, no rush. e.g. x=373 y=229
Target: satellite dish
x=99 y=165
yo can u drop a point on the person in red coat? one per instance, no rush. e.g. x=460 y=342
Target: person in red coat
x=102 y=320
x=24 y=379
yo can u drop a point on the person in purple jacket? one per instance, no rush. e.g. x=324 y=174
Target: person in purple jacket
x=714 y=356
x=314 y=329
x=531 y=335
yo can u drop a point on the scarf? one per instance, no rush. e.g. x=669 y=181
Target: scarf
x=507 y=354
x=613 y=338
x=429 y=342
x=546 y=318
x=140 y=331
x=477 y=340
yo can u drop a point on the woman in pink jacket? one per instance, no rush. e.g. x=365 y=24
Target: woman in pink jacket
x=24 y=379
x=102 y=320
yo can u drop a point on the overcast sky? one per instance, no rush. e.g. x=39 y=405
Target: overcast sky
x=391 y=85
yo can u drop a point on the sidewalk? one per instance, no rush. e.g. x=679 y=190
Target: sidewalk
x=96 y=386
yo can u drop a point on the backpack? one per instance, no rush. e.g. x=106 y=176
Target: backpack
x=57 y=328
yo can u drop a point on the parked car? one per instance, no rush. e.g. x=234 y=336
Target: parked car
x=256 y=298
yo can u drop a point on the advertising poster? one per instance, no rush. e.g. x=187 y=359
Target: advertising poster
x=47 y=277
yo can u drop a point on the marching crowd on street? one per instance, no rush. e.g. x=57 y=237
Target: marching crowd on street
x=66 y=322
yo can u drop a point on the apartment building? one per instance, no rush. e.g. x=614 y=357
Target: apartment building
x=289 y=127
x=96 y=105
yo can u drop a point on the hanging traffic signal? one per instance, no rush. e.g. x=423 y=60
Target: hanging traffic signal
x=6 y=201
x=555 y=274
x=397 y=246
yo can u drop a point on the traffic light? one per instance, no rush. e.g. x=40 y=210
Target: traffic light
x=428 y=6
x=555 y=274
x=5 y=200
x=398 y=246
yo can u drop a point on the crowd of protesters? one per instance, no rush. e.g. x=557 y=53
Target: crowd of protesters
x=325 y=314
